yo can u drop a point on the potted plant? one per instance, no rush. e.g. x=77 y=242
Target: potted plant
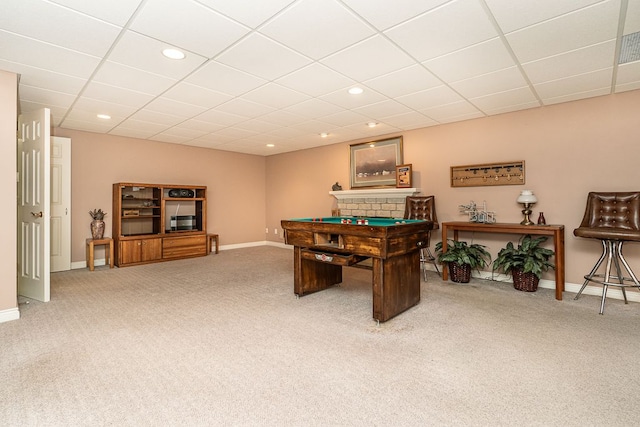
x=97 y=225
x=526 y=263
x=461 y=258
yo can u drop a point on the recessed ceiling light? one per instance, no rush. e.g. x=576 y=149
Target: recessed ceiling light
x=324 y=134
x=372 y=124
x=270 y=145
x=356 y=90
x=173 y=53
x=103 y=116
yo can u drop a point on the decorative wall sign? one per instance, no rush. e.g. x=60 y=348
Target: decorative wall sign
x=488 y=174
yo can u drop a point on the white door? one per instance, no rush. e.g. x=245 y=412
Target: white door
x=33 y=204
x=60 y=204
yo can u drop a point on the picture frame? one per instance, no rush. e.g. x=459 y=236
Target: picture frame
x=373 y=163
x=404 y=175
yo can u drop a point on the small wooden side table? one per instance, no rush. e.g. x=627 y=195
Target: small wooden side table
x=210 y=238
x=108 y=252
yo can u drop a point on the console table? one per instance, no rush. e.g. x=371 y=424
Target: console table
x=555 y=231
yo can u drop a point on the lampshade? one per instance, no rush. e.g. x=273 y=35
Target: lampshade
x=527 y=196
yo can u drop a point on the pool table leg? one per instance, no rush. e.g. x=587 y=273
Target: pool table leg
x=396 y=285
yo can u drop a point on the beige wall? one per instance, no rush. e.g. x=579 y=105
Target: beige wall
x=569 y=149
x=8 y=170
x=235 y=182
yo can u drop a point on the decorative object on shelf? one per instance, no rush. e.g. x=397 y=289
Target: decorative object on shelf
x=373 y=164
x=527 y=198
x=541 y=219
x=475 y=215
x=404 y=176
x=181 y=192
x=97 y=225
x=526 y=263
x=488 y=174
x=461 y=258
x=336 y=187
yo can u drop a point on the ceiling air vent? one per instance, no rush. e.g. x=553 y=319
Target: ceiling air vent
x=630 y=48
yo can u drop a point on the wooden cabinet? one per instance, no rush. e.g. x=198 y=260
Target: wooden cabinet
x=139 y=251
x=156 y=222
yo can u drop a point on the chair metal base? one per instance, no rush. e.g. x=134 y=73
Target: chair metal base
x=427 y=256
x=612 y=251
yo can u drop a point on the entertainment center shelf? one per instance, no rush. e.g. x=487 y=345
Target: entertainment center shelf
x=158 y=222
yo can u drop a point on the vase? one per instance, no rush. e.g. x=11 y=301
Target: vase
x=97 y=229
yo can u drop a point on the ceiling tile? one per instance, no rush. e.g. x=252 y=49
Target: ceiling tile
x=115 y=94
x=481 y=58
x=57 y=25
x=200 y=125
x=378 y=12
x=196 y=95
x=432 y=34
x=243 y=107
x=86 y=126
x=206 y=33
x=628 y=77
x=577 y=61
x=175 y=108
x=456 y=111
x=381 y=109
x=587 y=82
x=345 y=118
x=57 y=113
x=409 y=120
x=486 y=84
x=282 y=118
x=46 y=56
x=220 y=118
x=275 y=96
x=46 y=96
x=405 y=81
x=253 y=16
x=503 y=101
x=166 y=120
x=632 y=22
x=577 y=96
x=588 y=26
x=224 y=79
x=115 y=74
x=362 y=61
x=514 y=15
x=114 y=11
x=44 y=79
x=86 y=109
x=324 y=80
x=262 y=57
x=145 y=53
x=441 y=95
x=314 y=108
x=344 y=99
x=307 y=21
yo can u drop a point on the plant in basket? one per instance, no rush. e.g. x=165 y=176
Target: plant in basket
x=525 y=263
x=461 y=258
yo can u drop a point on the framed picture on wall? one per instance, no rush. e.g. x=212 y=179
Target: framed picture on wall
x=373 y=164
x=403 y=176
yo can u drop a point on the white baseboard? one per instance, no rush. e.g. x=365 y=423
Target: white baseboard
x=613 y=291
x=9 y=314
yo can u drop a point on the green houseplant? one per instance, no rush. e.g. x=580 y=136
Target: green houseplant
x=525 y=263
x=461 y=258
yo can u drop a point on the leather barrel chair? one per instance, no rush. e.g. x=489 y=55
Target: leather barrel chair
x=613 y=218
x=423 y=207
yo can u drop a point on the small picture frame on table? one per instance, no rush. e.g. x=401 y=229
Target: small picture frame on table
x=403 y=176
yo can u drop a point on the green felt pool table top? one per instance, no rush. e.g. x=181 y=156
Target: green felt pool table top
x=377 y=222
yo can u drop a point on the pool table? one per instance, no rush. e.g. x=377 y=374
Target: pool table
x=322 y=246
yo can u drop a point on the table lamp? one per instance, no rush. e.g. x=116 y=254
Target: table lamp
x=527 y=198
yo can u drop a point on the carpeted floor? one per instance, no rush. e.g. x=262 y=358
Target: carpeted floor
x=222 y=340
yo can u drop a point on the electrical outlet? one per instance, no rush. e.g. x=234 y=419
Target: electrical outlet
x=266 y=230
x=275 y=231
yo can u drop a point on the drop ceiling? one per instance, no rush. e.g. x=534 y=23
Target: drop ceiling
x=277 y=72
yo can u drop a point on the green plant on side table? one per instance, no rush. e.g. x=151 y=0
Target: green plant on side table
x=526 y=263
x=461 y=258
